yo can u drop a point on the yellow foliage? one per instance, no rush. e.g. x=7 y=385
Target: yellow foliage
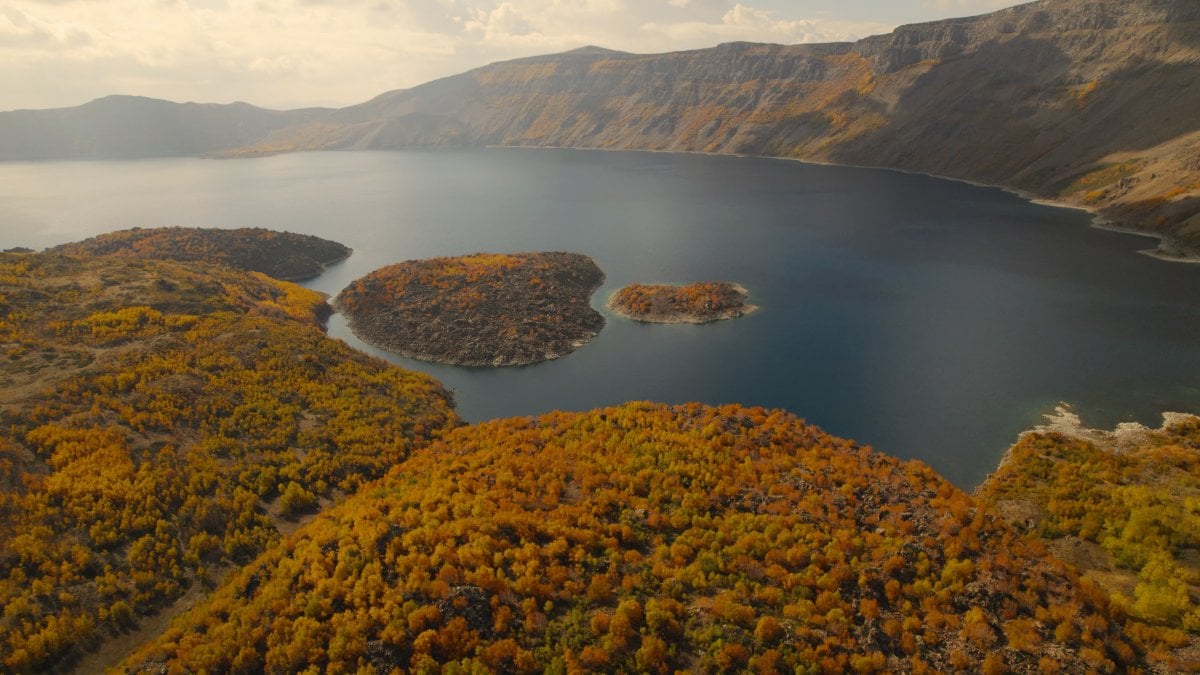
x=135 y=473
x=638 y=539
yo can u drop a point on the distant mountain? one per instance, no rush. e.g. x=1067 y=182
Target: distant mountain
x=1088 y=101
x=135 y=126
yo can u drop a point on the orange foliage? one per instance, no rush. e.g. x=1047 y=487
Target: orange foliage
x=511 y=505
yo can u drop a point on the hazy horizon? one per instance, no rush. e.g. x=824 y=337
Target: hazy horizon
x=287 y=54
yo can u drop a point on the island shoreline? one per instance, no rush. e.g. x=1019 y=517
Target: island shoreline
x=376 y=334
x=682 y=319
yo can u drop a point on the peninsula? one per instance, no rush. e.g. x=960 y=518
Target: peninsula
x=483 y=309
x=282 y=255
x=691 y=303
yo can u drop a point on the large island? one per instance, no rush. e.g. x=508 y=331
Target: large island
x=693 y=303
x=478 y=310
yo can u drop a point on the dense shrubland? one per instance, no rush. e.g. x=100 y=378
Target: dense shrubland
x=646 y=538
x=159 y=420
x=690 y=303
x=162 y=421
x=1133 y=515
x=283 y=255
x=484 y=309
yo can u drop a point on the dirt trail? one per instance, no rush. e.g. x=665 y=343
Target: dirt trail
x=113 y=650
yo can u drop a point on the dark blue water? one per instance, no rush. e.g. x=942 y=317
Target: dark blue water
x=932 y=319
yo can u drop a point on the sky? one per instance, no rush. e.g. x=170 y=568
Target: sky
x=296 y=53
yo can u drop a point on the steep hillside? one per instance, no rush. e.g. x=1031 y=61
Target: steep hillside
x=134 y=126
x=648 y=538
x=159 y=423
x=1087 y=101
x=283 y=255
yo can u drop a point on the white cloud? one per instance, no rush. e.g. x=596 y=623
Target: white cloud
x=743 y=22
x=967 y=7
x=288 y=53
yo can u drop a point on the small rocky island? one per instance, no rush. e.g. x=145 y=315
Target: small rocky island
x=483 y=309
x=282 y=255
x=691 y=303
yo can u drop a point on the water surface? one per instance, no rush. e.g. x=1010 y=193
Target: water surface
x=930 y=318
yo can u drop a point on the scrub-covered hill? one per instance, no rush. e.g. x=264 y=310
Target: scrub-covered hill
x=484 y=309
x=160 y=422
x=647 y=538
x=283 y=255
x=1123 y=506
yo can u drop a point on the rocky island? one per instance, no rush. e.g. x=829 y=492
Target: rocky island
x=478 y=310
x=692 y=303
x=282 y=255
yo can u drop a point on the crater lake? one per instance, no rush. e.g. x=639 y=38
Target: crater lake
x=929 y=318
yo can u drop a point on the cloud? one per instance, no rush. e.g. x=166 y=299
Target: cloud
x=744 y=22
x=291 y=53
x=968 y=7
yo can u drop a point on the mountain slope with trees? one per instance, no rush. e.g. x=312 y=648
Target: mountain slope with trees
x=162 y=422
x=1124 y=507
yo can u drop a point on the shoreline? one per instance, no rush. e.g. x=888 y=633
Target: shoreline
x=1167 y=250
x=324 y=266
x=1123 y=438
x=425 y=358
x=682 y=319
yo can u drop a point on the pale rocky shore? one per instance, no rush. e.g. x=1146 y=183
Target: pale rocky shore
x=1124 y=437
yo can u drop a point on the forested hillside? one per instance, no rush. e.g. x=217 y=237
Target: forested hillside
x=648 y=538
x=166 y=424
x=1124 y=508
x=161 y=421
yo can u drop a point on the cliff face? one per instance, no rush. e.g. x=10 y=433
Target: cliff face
x=1089 y=101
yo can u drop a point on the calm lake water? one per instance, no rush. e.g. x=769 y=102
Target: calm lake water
x=932 y=319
